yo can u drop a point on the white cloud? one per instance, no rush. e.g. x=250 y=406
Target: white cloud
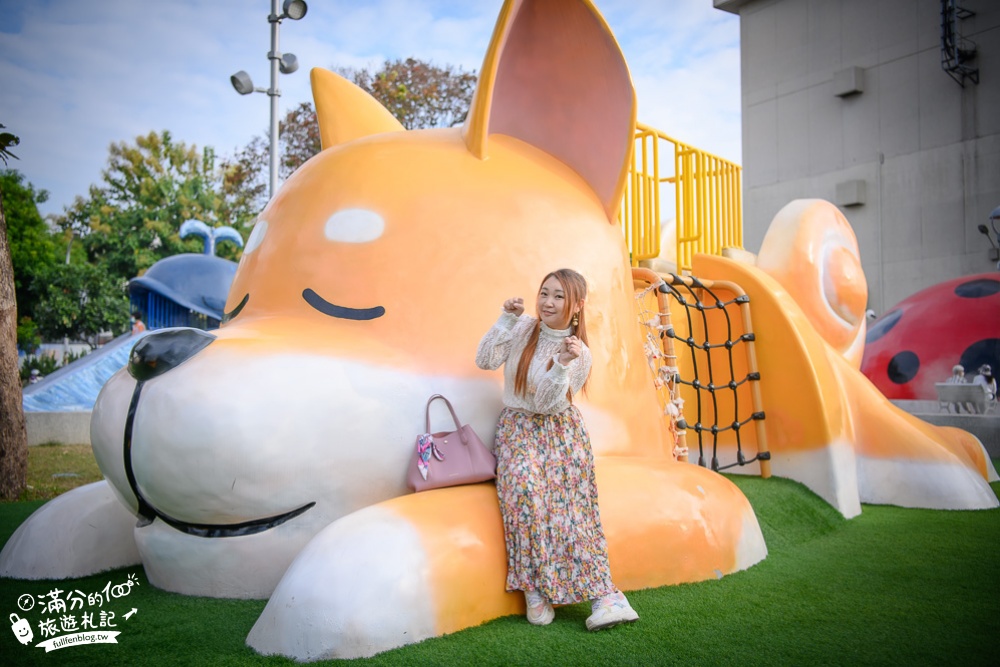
x=77 y=76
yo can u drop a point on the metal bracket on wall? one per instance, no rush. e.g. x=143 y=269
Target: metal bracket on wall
x=957 y=52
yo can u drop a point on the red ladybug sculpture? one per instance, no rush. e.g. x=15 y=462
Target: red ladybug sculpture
x=918 y=341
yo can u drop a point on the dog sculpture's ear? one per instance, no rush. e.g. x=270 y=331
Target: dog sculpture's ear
x=555 y=77
x=345 y=111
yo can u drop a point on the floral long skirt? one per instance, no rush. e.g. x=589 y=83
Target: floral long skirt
x=548 y=499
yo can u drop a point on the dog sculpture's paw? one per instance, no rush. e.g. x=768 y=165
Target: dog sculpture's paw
x=82 y=532
x=391 y=574
x=427 y=564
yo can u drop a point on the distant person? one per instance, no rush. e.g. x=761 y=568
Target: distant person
x=34 y=376
x=957 y=375
x=986 y=380
x=137 y=326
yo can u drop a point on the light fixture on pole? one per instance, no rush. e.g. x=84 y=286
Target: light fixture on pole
x=994 y=249
x=285 y=63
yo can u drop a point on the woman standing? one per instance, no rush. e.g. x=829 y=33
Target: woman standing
x=556 y=549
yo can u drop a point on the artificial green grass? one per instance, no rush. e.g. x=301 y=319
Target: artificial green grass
x=890 y=587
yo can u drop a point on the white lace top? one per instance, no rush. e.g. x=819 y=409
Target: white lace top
x=546 y=390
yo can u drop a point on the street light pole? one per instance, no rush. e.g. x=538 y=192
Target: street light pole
x=284 y=63
x=274 y=93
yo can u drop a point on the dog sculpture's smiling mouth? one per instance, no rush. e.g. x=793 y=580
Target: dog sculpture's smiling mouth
x=156 y=354
x=148 y=512
x=229 y=529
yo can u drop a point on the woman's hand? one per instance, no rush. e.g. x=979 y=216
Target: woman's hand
x=514 y=306
x=570 y=349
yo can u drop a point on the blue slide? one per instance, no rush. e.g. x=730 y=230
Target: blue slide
x=75 y=387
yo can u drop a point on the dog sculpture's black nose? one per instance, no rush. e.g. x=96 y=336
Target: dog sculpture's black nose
x=161 y=351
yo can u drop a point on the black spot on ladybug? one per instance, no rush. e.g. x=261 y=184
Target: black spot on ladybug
x=903 y=367
x=985 y=351
x=977 y=289
x=883 y=326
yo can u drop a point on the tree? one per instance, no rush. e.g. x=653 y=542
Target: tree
x=130 y=221
x=80 y=301
x=33 y=247
x=149 y=189
x=28 y=338
x=299 y=137
x=245 y=179
x=6 y=141
x=13 y=434
x=418 y=94
x=246 y=174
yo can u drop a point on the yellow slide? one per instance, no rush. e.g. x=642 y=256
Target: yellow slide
x=826 y=425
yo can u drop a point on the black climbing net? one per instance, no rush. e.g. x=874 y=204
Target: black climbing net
x=710 y=378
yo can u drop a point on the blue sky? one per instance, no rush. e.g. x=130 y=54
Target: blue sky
x=77 y=76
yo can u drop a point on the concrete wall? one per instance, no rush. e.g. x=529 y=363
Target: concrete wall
x=66 y=428
x=922 y=151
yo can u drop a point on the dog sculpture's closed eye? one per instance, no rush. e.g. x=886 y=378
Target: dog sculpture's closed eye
x=333 y=310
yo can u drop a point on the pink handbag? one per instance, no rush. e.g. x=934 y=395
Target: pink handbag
x=448 y=458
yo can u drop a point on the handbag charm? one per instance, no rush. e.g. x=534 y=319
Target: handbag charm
x=425 y=449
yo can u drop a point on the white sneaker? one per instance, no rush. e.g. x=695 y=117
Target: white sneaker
x=540 y=611
x=609 y=611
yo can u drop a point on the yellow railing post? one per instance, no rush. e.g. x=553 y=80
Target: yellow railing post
x=706 y=193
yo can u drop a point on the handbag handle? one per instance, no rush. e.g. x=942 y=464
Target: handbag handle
x=427 y=417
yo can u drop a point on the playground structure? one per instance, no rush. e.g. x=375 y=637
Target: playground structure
x=267 y=459
x=702 y=190
x=187 y=290
x=722 y=388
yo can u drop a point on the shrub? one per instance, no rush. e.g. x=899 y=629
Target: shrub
x=28 y=338
x=44 y=363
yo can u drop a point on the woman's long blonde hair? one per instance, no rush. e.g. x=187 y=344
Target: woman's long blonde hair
x=575 y=288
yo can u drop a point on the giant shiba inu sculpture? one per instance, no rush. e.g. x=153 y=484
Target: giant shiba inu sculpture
x=363 y=289
x=268 y=459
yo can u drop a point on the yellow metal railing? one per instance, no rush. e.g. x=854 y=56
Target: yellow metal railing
x=703 y=191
